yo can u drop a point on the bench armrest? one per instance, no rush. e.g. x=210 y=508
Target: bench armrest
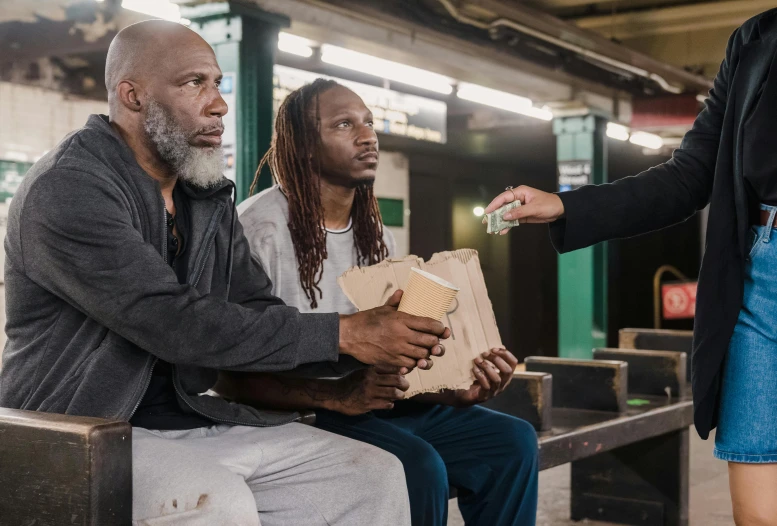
x=58 y=468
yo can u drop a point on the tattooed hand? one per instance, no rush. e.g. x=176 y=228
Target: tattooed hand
x=369 y=389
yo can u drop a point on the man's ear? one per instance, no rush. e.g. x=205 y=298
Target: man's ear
x=128 y=94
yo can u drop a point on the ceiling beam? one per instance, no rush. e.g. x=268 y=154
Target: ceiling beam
x=668 y=20
x=591 y=41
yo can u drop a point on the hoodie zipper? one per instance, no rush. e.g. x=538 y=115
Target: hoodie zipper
x=145 y=388
x=164 y=258
x=176 y=381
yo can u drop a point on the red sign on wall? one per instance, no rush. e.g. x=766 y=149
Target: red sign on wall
x=679 y=300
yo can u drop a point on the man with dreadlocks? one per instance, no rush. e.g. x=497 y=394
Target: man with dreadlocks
x=322 y=219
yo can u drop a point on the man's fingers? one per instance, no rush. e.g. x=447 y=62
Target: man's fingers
x=507 y=356
x=416 y=352
x=380 y=404
x=502 y=365
x=404 y=362
x=426 y=325
x=481 y=377
x=425 y=364
x=385 y=369
x=421 y=339
x=494 y=378
x=438 y=350
x=388 y=393
x=393 y=380
x=395 y=298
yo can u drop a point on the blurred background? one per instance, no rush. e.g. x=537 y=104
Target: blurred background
x=469 y=96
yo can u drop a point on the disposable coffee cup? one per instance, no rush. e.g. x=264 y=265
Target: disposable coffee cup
x=427 y=295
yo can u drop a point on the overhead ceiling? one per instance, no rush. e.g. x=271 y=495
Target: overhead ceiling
x=691 y=34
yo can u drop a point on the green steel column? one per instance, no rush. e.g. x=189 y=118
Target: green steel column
x=245 y=40
x=582 y=275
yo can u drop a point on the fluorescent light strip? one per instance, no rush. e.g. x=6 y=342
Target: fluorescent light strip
x=386 y=69
x=502 y=100
x=617 y=131
x=157 y=8
x=648 y=140
x=295 y=45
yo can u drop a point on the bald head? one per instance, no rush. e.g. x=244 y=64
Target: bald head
x=163 y=94
x=147 y=50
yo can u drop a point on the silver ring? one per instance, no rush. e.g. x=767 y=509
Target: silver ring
x=508 y=188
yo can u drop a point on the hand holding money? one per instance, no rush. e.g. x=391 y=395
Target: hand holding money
x=537 y=206
x=495 y=220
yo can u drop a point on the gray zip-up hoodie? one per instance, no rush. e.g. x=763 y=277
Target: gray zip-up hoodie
x=92 y=303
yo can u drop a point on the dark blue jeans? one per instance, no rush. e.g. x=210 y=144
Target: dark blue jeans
x=489 y=457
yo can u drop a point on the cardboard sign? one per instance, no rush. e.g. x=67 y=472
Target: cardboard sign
x=470 y=317
x=679 y=300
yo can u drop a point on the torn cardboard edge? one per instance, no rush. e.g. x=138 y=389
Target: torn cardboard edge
x=470 y=318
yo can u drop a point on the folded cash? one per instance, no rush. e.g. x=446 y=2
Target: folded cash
x=495 y=222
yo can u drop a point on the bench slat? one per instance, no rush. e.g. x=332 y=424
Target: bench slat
x=605 y=434
x=585 y=384
x=651 y=372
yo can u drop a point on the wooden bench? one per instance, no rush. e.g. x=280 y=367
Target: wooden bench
x=628 y=448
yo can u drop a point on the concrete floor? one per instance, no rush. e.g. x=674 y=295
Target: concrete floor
x=709 y=499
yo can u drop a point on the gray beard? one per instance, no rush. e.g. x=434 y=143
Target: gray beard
x=200 y=167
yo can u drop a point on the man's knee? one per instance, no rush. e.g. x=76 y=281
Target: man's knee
x=519 y=438
x=225 y=499
x=382 y=467
x=424 y=468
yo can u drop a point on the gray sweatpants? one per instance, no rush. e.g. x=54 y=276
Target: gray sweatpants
x=246 y=476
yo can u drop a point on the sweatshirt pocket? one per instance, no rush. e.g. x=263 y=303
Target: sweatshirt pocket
x=60 y=398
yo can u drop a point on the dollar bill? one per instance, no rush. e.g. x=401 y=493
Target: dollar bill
x=494 y=221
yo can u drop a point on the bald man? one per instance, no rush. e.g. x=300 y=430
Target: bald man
x=130 y=284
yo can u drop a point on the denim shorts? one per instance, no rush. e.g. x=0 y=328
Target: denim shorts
x=747 y=422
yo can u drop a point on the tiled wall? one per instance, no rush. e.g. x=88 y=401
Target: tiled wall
x=32 y=121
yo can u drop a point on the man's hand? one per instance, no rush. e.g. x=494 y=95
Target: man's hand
x=385 y=336
x=369 y=389
x=493 y=373
x=537 y=206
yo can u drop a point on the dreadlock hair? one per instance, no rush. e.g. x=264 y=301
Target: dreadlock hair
x=293 y=159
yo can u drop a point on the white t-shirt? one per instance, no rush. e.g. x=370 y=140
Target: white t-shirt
x=265 y=219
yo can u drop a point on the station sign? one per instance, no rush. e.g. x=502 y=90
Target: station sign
x=573 y=174
x=679 y=300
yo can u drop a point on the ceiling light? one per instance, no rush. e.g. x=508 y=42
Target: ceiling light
x=648 y=140
x=345 y=58
x=295 y=45
x=618 y=132
x=164 y=9
x=158 y=8
x=479 y=211
x=502 y=101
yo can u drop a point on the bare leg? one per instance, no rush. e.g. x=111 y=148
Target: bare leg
x=753 y=493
